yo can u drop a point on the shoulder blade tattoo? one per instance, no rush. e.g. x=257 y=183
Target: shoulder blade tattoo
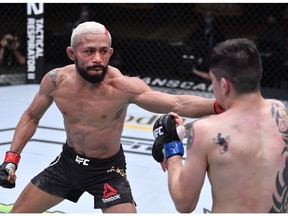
x=222 y=141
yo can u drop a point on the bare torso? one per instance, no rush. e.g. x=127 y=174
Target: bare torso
x=93 y=115
x=247 y=159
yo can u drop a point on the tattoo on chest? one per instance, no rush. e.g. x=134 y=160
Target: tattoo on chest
x=222 y=141
x=280 y=198
x=53 y=76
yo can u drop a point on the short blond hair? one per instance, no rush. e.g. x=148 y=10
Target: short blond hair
x=88 y=27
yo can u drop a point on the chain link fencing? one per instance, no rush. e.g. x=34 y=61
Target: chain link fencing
x=166 y=44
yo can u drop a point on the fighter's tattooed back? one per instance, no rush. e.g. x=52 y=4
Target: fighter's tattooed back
x=280 y=198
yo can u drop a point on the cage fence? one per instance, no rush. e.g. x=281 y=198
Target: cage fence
x=163 y=43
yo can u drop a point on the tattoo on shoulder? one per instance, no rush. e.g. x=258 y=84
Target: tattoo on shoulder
x=279 y=113
x=222 y=141
x=280 y=197
x=189 y=135
x=53 y=75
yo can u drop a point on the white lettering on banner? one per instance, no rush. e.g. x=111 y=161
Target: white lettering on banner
x=159 y=82
x=30 y=47
x=35 y=38
x=35 y=8
x=186 y=85
x=173 y=83
x=39 y=35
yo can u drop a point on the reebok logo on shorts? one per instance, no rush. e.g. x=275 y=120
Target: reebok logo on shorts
x=109 y=194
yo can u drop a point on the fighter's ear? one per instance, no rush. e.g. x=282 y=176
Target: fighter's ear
x=111 y=51
x=225 y=86
x=70 y=53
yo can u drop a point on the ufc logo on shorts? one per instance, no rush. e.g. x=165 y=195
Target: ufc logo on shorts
x=80 y=160
x=158 y=131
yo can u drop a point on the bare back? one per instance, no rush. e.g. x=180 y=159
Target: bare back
x=245 y=154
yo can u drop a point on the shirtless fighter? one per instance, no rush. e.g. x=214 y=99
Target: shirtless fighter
x=244 y=151
x=93 y=98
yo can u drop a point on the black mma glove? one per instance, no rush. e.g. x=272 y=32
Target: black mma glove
x=10 y=165
x=157 y=152
x=167 y=138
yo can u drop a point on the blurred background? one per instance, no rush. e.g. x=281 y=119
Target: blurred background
x=165 y=44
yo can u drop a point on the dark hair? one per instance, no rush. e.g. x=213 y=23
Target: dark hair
x=237 y=60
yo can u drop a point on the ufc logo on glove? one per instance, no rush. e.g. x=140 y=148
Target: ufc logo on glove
x=158 y=131
x=168 y=138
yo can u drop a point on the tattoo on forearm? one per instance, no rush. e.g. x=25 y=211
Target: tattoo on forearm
x=280 y=198
x=222 y=141
x=53 y=76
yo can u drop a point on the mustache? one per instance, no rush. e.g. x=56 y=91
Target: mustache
x=96 y=67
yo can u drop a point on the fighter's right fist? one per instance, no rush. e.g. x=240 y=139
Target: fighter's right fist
x=9 y=166
x=168 y=137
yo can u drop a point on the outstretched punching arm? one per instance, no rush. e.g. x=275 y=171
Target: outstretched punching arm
x=159 y=102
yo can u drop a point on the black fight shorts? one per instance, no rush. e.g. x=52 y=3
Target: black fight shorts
x=71 y=174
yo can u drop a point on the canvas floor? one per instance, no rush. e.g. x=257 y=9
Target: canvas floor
x=148 y=181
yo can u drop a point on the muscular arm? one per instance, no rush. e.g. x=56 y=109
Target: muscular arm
x=159 y=102
x=185 y=105
x=29 y=121
x=185 y=181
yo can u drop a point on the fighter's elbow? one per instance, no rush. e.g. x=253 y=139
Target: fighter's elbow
x=185 y=207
